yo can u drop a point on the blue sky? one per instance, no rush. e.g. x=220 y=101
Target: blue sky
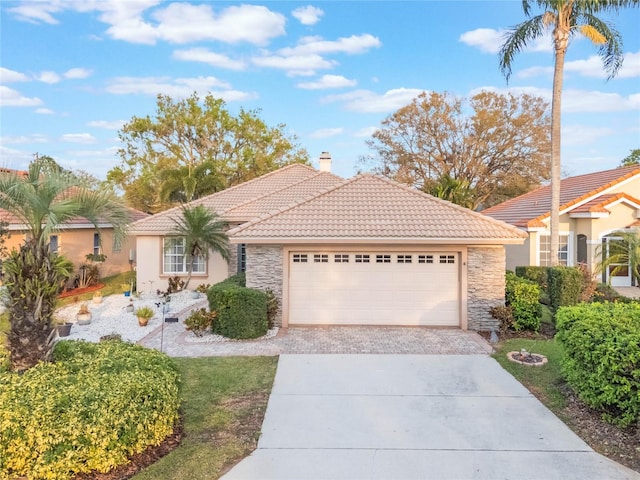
x=72 y=71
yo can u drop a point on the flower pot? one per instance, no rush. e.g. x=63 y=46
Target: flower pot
x=64 y=329
x=129 y=308
x=83 y=318
x=127 y=293
x=143 y=321
x=195 y=294
x=97 y=300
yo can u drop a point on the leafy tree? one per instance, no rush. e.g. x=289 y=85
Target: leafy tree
x=621 y=254
x=632 y=159
x=44 y=203
x=192 y=139
x=566 y=18
x=496 y=145
x=453 y=190
x=203 y=232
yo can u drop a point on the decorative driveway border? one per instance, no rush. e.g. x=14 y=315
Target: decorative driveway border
x=326 y=340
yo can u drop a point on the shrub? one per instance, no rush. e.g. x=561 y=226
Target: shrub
x=98 y=404
x=199 y=321
x=535 y=274
x=523 y=296
x=144 y=312
x=564 y=286
x=239 y=280
x=241 y=312
x=606 y=293
x=504 y=314
x=272 y=308
x=602 y=357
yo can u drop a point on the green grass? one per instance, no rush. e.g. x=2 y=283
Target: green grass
x=544 y=381
x=224 y=399
x=111 y=287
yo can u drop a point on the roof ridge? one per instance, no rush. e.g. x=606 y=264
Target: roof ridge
x=201 y=200
x=281 y=189
x=302 y=201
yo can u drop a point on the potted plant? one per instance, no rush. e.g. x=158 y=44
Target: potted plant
x=126 y=288
x=63 y=328
x=144 y=314
x=83 y=317
x=97 y=297
x=199 y=321
x=129 y=308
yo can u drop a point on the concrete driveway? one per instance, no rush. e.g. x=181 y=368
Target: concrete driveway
x=347 y=417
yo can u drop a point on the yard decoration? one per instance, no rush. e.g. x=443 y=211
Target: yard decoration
x=144 y=314
x=83 y=317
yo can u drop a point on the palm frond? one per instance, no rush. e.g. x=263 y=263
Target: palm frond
x=516 y=39
x=611 y=50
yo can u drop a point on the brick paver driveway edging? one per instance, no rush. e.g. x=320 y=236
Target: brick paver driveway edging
x=328 y=340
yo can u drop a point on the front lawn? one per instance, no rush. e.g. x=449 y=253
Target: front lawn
x=223 y=404
x=547 y=384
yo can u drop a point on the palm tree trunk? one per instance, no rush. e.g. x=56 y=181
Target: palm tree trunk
x=561 y=40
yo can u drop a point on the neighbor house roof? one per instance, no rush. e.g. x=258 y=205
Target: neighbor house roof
x=373 y=209
x=533 y=208
x=243 y=202
x=17 y=224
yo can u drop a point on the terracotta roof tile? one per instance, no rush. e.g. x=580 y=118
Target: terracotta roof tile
x=247 y=200
x=533 y=207
x=368 y=208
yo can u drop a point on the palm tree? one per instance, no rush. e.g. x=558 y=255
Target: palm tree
x=566 y=18
x=202 y=231
x=453 y=190
x=44 y=203
x=621 y=254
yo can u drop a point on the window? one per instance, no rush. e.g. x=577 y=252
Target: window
x=425 y=258
x=96 y=244
x=299 y=258
x=53 y=243
x=341 y=258
x=447 y=259
x=362 y=258
x=175 y=259
x=116 y=246
x=383 y=258
x=404 y=259
x=321 y=258
x=545 y=250
x=242 y=257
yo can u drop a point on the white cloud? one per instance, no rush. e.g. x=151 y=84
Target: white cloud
x=76 y=73
x=85 y=138
x=308 y=15
x=179 y=87
x=24 y=139
x=489 y=40
x=367 y=101
x=44 y=111
x=535 y=72
x=211 y=58
x=328 y=81
x=106 y=152
x=11 y=76
x=366 y=132
x=295 y=65
x=12 y=98
x=631 y=66
x=593 y=67
x=49 y=77
x=316 y=45
x=582 y=134
x=326 y=132
x=106 y=124
x=36 y=12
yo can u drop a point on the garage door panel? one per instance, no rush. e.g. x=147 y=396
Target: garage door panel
x=404 y=291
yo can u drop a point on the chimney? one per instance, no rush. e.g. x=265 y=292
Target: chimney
x=325 y=162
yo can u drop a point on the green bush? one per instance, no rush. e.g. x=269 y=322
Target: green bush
x=602 y=357
x=239 y=280
x=565 y=286
x=523 y=296
x=535 y=274
x=241 y=312
x=606 y=293
x=91 y=409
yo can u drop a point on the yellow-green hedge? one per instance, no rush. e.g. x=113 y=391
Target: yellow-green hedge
x=90 y=410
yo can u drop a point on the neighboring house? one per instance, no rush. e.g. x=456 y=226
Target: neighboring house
x=593 y=208
x=365 y=251
x=76 y=239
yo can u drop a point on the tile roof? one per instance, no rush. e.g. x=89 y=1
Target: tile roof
x=16 y=223
x=250 y=199
x=530 y=209
x=374 y=209
x=600 y=203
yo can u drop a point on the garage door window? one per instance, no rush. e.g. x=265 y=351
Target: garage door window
x=404 y=259
x=447 y=259
x=321 y=258
x=300 y=258
x=383 y=258
x=341 y=258
x=425 y=258
x=362 y=258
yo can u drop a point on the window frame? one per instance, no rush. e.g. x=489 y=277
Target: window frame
x=567 y=244
x=200 y=262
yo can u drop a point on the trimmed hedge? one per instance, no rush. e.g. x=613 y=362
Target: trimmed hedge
x=523 y=296
x=565 y=286
x=535 y=274
x=602 y=357
x=94 y=407
x=241 y=312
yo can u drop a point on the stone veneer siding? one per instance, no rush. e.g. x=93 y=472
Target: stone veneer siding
x=485 y=284
x=264 y=271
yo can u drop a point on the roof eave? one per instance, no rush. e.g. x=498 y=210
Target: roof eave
x=376 y=240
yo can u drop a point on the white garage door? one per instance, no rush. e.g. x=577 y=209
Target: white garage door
x=373 y=288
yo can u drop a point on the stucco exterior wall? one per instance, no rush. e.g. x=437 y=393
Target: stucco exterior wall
x=485 y=284
x=265 y=271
